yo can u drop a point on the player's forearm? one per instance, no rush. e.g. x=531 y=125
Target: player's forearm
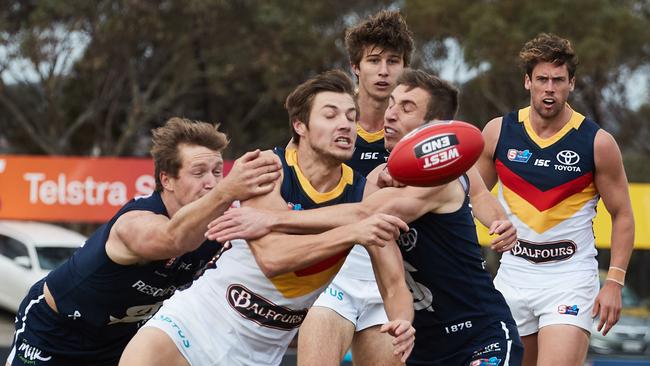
x=622 y=239
x=487 y=208
x=398 y=303
x=317 y=220
x=187 y=227
x=280 y=253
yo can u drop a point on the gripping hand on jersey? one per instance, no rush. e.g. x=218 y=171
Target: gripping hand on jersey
x=404 y=335
x=240 y=223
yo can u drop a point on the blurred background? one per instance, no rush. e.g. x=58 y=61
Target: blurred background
x=92 y=78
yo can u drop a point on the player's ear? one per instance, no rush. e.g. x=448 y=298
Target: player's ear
x=166 y=181
x=300 y=127
x=526 y=82
x=572 y=83
x=355 y=69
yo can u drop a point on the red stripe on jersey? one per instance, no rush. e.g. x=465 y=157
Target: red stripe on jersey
x=542 y=200
x=322 y=265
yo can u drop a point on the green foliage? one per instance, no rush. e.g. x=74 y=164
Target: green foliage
x=234 y=62
x=611 y=38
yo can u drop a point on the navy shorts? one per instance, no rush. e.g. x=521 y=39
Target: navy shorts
x=44 y=338
x=497 y=345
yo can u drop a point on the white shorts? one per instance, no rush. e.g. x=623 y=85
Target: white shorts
x=192 y=343
x=358 y=301
x=533 y=308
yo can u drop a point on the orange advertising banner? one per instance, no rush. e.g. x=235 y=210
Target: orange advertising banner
x=71 y=189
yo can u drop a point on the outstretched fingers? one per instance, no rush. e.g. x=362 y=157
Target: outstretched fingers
x=404 y=334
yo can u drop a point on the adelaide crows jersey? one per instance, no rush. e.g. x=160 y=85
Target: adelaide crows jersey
x=454 y=298
x=369 y=151
x=547 y=187
x=255 y=315
x=107 y=302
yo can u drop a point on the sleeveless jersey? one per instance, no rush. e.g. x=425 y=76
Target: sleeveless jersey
x=453 y=295
x=254 y=314
x=547 y=188
x=369 y=152
x=109 y=301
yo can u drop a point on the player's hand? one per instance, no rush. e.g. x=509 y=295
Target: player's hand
x=240 y=223
x=404 y=334
x=378 y=229
x=386 y=180
x=252 y=175
x=608 y=306
x=507 y=235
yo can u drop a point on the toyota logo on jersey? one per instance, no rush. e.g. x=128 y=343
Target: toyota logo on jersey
x=568 y=157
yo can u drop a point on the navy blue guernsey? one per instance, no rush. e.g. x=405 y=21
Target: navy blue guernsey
x=109 y=302
x=296 y=189
x=369 y=151
x=454 y=298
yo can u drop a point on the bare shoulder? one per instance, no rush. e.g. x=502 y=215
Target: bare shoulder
x=492 y=129
x=131 y=228
x=604 y=141
x=607 y=155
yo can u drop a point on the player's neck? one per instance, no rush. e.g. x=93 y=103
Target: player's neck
x=171 y=204
x=323 y=173
x=371 y=112
x=547 y=127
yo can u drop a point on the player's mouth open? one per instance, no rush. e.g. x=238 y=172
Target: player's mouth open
x=548 y=101
x=343 y=141
x=389 y=131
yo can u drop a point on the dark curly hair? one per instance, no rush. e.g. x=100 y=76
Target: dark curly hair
x=547 y=47
x=386 y=29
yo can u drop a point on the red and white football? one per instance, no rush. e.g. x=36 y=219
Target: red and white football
x=435 y=153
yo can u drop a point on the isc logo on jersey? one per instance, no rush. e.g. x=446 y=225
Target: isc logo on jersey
x=369 y=156
x=437 y=151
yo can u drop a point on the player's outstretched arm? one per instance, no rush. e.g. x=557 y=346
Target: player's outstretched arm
x=407 y=203
x=485 y=162
x=278 y=253
x=612 y=185
x=490 y=213
x=142 y=235
x=398 y=301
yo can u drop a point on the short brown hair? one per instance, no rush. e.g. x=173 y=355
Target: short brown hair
x=177 y=131
x=443 y=97
x=548 y=48
x=299 y=102
x=386 y=29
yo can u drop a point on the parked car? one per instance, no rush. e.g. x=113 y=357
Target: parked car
x=631 y=335
x=28 y=251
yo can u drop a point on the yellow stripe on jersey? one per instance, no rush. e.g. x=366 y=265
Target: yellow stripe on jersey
x=574 y=122
x=540 y=221
x=290 y=285
x=369 y=136
x=347 y=176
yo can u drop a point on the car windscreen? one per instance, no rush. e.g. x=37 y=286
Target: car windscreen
x=51 y=257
